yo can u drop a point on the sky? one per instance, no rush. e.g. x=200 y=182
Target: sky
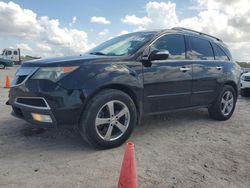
x=66 y=27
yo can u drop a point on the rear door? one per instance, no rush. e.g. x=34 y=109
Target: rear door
x=206 y=71
x=167 y=83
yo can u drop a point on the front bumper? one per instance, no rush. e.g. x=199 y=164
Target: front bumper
x=25 y=112
x=63 y=106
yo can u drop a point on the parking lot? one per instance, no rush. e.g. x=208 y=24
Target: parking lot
x=181 y=149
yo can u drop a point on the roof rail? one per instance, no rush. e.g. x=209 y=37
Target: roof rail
x=193 y=31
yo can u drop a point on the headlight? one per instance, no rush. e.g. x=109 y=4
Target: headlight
x=53 y=73
x=242 y=77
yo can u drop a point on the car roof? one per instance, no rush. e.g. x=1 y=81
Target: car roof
x=185 y=31
x=190 y=32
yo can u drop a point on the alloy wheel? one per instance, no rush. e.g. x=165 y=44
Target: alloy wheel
x=112 y=120
x=227 y=103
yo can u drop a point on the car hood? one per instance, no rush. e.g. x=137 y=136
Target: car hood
x=246 y=74
x=70 y=61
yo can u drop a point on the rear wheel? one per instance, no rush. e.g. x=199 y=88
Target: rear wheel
x=108 y=119
x=2 y=66
x=223 y=108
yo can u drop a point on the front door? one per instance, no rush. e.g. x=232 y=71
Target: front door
x=167 y=83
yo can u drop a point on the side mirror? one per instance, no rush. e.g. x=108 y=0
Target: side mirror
x=158 y=55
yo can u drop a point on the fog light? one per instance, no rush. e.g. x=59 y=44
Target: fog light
x=41 y=118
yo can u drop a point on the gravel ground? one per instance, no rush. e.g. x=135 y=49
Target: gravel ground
x=183 y=149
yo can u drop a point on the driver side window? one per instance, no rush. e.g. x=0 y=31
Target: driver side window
x=174 y=43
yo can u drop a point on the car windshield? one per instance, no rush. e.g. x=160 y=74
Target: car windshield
x=124 y=45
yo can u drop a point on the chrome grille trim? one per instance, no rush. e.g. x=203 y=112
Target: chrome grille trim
x=247 y=78
x=31 y=106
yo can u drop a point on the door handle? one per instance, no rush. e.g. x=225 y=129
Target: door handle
x=185 y=69
x=218 y=67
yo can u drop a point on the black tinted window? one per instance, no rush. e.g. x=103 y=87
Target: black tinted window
x=219 y=53
x=200 y=49
x=15 y=52
x=175 y=44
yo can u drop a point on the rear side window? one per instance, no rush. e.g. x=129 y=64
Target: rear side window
x=174 y=43
x=200 y=49
x=15 y=52
x=219 y=53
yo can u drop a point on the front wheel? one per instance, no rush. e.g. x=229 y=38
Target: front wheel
x=223 y=107
x=108 y=119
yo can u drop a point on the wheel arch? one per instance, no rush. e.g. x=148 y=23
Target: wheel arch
x=137 y=98
x=234 y=85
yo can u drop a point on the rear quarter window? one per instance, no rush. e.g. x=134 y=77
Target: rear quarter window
x=219 y=53
x=200 y=49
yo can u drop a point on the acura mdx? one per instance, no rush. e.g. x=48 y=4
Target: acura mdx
x=105 y=92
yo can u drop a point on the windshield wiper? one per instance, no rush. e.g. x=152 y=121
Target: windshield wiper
x=97 y=53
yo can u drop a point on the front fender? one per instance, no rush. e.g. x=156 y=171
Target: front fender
x=92 y=78
x=117 y=74
x=123 y=77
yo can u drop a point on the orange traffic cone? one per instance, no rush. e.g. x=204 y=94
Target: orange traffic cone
x=128 y=174
x=7 y=82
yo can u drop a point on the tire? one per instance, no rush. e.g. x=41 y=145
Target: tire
x=97 y=121
x=220 y=110
x=2 y=66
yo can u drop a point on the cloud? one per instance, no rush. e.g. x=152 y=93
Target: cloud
x=64 y=40
x=103 y=33
x=43 y=47
x=42 y=34
x=24 y=46
x=159 y=15
x=99 y=20
x=73 y=21
x=134 y=20
x=17 y=21
x=228 y=20
x=123 y=32
x=232 y=7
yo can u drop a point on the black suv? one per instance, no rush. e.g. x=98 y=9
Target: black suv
x=105 y=92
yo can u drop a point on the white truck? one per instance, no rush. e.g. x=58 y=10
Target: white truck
x=11 y=55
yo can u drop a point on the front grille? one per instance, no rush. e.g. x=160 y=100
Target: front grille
x=35 y=102
x=247 y=78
